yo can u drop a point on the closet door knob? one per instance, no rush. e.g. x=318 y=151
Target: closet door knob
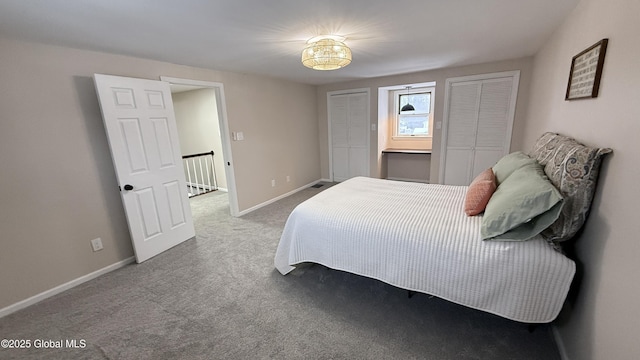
x=128 y=187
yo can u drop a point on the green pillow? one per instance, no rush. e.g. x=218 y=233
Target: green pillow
x=510 y=163
x=525 y=204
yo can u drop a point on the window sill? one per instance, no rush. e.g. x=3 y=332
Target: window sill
x=407 y=151
x=411 y=138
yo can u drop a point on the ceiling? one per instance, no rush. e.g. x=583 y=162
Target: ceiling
x=267 y=37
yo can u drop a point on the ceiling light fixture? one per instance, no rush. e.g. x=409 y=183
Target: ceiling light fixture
x=326 y=52
x=408 y=107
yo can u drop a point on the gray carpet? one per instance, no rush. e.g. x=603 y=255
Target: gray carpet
x=219 y=297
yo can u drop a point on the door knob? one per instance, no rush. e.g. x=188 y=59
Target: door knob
x=128 y=187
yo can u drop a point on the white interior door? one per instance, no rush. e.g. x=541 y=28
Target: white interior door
x=338 y=108
x=358 y=135
x=461 y=132
x=349 y=130
x=478 y=121
x=143 y=137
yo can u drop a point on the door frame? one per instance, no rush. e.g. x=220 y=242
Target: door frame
x=514 y=74
x=347 y=92
x=223 y=123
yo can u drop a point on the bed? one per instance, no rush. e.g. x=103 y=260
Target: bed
x=419 y=237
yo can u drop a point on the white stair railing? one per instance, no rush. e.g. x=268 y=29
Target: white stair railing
x=200 y=173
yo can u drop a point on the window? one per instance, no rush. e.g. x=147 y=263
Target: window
x=417 y=122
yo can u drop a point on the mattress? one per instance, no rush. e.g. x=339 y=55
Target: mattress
x=417 y=237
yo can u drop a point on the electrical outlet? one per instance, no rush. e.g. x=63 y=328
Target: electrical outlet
x=273 y=183
x=96 y=244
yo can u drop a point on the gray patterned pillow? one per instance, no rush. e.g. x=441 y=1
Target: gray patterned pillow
x=573 y=168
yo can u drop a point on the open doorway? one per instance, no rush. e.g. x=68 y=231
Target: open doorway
x=201 y=119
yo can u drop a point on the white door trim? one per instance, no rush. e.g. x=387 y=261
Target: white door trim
x=330 y=143
x=515 y=74
x=224 y=134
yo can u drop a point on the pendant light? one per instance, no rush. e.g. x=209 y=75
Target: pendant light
x=408 y=107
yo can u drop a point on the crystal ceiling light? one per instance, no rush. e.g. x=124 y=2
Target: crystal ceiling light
x=326 y=52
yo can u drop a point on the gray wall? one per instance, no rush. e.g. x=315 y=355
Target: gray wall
x=602 y=320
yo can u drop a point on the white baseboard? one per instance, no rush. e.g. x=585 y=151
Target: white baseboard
x=66 y=286
x=268 y=202
x=325 y=180
x=561 y=348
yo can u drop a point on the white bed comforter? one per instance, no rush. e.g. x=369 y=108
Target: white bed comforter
x=417 y=237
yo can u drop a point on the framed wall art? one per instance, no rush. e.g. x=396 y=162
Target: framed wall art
x=585 y=73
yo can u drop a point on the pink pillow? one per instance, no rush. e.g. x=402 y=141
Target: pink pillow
x=479 y=192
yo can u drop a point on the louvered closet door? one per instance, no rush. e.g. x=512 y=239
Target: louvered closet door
x=358 y=133
x=340 y=136
x=349 y=131
x=461 y=132
x=478 y=123
x=492 y=141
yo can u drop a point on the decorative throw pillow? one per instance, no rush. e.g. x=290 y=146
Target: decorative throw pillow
x=525 y=204
x=545 y=147
x=573 y=168
x=479 y=192
x=510 y=163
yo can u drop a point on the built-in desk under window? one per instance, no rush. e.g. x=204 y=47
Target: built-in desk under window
x=406 y=164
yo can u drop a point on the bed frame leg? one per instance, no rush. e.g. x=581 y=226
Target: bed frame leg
x=532 y=327
x=410 y=293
